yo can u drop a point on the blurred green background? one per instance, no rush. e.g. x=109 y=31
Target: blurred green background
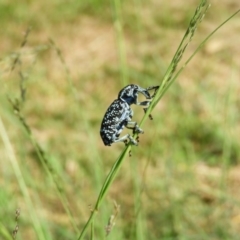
x=182 y=181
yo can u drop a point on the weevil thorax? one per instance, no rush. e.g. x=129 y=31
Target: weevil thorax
x=129 y=94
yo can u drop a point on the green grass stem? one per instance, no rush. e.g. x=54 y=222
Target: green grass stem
x=45 y=162
x=118 y=24
x=22 y=184
x=106 y=185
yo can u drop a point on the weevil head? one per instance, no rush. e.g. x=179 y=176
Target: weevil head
x=130 y=93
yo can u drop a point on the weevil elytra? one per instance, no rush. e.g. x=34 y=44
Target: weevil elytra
x=119 y=114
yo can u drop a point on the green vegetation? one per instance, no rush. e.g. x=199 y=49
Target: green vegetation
x=61 y=65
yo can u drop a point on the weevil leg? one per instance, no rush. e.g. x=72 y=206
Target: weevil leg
x=135 y=127
x=124 y=139
x=132 y=140
x=150 y=115
x=130 y=153
x=155 y=88
x=143 y=103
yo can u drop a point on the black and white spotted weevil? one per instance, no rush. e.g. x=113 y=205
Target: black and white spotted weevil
x=119 y=114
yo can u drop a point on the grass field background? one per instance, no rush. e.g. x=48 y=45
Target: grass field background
x=181 y=182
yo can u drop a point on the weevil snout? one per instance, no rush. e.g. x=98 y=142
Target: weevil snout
x=144 y=92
